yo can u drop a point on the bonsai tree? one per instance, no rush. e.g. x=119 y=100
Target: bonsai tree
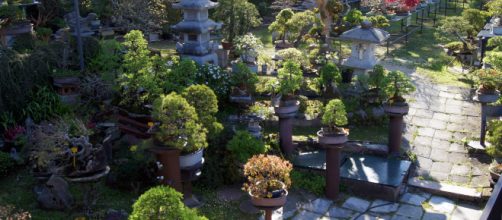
x=243 y=146
x=290 y=80
x=495 y=138
x=267 y=176
x=354 y=17
x=398 y=84
x=162 y=203
x=494 y=57
x=243 y=80
x=238 y=17
x=300 y=25
x=248 y=46
x=205 y=102
x=281 y=25
x=495 y=7
x=330 y=74
x=376 y=82
x=294 y=55
x=379 y=21
x=183 y=74
x=489 y=80
x=179 y=127
x=334 y=117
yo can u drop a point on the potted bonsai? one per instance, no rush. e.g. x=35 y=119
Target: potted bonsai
x=179 y=129
x=248 y=47
x=243 y=81
x=397 y=85
x=162 y=203
x=265 y=61
x=290 y=80
x=330 y=77
x=376 y=81
x=268 y=180
x=334 y=117
x=495 y=149
x=489 y=80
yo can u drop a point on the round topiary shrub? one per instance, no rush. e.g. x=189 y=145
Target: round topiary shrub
x=6 y=163
x=179 y=127
x=243 y=146
x=162 y=203
x=205 y=102
x=334 y=116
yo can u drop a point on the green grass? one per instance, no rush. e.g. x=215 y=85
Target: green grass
x=215 y=209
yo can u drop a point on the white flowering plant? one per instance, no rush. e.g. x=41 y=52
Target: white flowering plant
x=248 y=45
x=216 y=78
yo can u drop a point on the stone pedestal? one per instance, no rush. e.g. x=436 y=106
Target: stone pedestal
x=189 y=174
x=396 y=113
x=169 y=167
x=484 y=99
x=222 y=57
x=286 y=115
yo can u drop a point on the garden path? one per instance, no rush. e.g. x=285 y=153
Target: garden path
x=441 y=118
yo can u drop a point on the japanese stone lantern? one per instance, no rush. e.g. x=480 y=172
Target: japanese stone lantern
x=364 y=40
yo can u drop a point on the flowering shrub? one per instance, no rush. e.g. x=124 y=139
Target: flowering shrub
x=248 y=45
x=216 y=78
x=263 y=173
x=489 y=79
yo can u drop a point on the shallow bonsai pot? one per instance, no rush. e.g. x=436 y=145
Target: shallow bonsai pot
x=21 y=28
x=191 y=159
x=241 y=99
x=494 y=175
x=332 y=139
x=269 y=202
x=397 y=108
x=487 y=97
x=289 y=109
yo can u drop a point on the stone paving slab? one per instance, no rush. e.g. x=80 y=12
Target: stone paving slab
x=452 y=191
x=441 y=204
x=356 y=204
x=413 y=199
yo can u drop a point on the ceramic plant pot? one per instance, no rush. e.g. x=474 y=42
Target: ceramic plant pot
x=192 y=159
x=332 y=139
x=277 y=200
x=487 y=97
x=396 y=108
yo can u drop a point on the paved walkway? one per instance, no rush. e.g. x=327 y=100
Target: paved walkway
x=440 y=119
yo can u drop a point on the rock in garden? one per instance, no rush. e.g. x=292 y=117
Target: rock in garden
x=54 y=194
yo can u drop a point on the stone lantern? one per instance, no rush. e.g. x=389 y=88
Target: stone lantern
x=364 y=40
x=195 y=29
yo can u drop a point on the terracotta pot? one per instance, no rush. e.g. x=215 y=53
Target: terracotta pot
x=487 y=97
x=396 y=108
x=287 y=110
x=191 y=159
x=332 y=139
x=227 y=45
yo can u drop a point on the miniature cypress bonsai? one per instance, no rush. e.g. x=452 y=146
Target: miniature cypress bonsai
x=162 y=203
x=290 y=80
x=243 y=80
x=205 y=102
x=489 y=80
x=334 y=118
x=330 y=74
x=397 y=85
x=179 y=127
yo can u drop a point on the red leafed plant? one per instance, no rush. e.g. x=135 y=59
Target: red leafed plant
x=13 y=133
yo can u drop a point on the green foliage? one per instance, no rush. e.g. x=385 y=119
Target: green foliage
x=182 y=75
x=108 y=58
x=476 y=18
x=205 y=102
x=495 y=7
x=180 y=127
x=293 y=55
x=495 y=138
x=377 y=77
x=494 y=58
x=44 y=34
x=458 y=26
x=44 y=104
x=162 y=203
x=330 y=74
x=489 y=79
x=379 y=21
x=238 y=17
x=281 y=25
x=9 y=14
x=355 y=17
x=216 y=78
x=334 y=114
x=300 y=24
x=454 y=46
x=312 y=182
x=6 y=164
x=243 y=77
x=134 y=168
x=290 y=78
x=24 y=43
x=398 y=84
x=496 y=43
x=243 y=146
x=248 y=44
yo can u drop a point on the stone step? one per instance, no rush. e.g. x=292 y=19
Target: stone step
x=448 y=190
